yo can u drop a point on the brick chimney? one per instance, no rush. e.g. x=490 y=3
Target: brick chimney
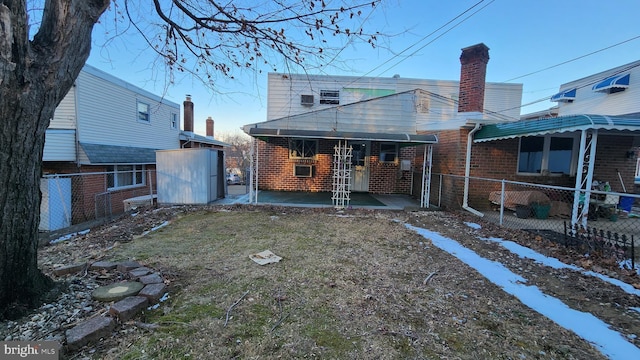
x=188 y=114
x=210 y=127
x=473 y=72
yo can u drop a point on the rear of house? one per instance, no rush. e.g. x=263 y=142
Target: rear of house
x=386 y=122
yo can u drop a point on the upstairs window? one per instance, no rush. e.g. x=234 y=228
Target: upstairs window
x=330 y=97
x=303 y=149
x=174 y=122
x=547 y=155
x=143 y=112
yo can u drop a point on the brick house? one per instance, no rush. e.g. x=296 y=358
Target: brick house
x=389 y=123
x=595 y=127
x=107 y=125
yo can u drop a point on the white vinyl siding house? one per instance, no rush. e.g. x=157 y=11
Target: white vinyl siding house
x=589 y=101
x=101 y=109
x=60 y=138
x=432 y=108
x=116 y=122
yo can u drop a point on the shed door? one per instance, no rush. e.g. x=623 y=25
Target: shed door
x=213 y=175
x=360 y=165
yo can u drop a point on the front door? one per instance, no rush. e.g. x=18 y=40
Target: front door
x=360 y=165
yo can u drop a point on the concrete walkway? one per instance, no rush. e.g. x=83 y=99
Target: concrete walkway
x=238 y=194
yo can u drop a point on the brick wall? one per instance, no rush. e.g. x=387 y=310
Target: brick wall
x=499 y=160
x=86 y=187
x=611 y=155
x=276 y=169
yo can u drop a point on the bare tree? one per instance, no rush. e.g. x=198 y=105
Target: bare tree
x=237 y=156
x=42 y=52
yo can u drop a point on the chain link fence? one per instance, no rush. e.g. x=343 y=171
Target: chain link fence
x=608 y=221
x=71 y=199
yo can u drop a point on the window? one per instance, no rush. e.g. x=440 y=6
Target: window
x=388 y=153
x=547 y=154
x=120 y=176
x=302 y=148
x=174 y=121
x=143 y=112
x=330 y=97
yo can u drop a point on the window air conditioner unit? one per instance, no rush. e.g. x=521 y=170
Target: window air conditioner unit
x=301 y=170
x=306 y=100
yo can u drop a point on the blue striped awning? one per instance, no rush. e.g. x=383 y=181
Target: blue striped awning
x=613 y=82
x=565 y=95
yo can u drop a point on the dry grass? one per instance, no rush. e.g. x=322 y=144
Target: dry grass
x=348 y=287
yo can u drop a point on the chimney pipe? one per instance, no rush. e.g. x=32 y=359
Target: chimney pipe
x=473 y=72
x=210 y=127
x=188 y=114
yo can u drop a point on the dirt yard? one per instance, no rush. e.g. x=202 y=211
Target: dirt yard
x=351 y=285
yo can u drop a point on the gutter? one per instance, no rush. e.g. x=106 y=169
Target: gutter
x=467 y=172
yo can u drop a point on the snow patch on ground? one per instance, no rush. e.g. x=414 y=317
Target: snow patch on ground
x=609 y=342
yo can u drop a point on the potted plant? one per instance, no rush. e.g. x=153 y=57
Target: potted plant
x=541 y=209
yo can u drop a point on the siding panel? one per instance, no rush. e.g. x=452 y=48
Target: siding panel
x=59 y=145
x=115 y=122
x=284 y=94
x=590 y=102
x=65 y=115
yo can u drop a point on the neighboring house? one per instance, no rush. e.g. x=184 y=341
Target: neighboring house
x=105 y=124
x=311 y=119
x=189 y=139
x=595 y=136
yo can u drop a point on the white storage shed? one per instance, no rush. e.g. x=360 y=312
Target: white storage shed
x=190 y=176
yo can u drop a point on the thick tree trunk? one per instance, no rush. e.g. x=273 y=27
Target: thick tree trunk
x=34 y=77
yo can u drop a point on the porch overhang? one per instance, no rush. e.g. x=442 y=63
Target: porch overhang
x=408 y=139
x=560 y=124
x=111 y=154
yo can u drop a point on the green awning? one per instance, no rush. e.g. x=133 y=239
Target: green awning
x=561 y=124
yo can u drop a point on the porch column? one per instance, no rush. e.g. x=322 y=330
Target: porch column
x=253 y=173
x=584 y=178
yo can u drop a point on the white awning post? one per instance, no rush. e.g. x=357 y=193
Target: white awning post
x=584 y=178
x=253 y=174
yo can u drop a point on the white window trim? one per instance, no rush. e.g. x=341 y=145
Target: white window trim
x=302 y=157
x=138 y=112
x=136 y=168
x=173 y=121
x=544 y=167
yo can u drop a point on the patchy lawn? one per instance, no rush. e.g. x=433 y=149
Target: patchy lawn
x=352 y=285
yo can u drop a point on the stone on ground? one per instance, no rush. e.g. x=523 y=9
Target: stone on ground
x=88 y=331
x=153 y=292
x=117 y=291
x=128 y=307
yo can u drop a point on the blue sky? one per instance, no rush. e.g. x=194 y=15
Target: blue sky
x=524 y=36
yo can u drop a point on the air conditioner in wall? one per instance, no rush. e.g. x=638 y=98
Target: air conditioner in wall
x=302 y=170
x=306 y=100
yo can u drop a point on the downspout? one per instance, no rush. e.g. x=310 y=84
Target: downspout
x=467 y=172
